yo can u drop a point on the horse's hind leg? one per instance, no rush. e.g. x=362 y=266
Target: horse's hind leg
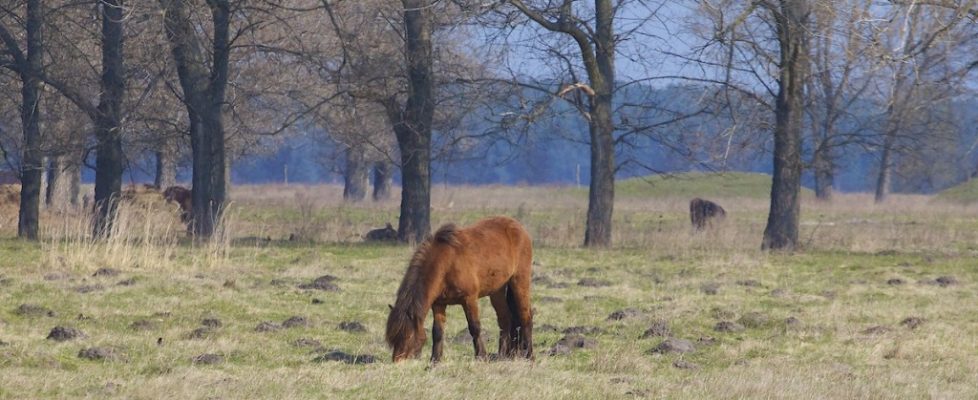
x=504 y=318
x=519 y=288
x=471 y=307
x=437 y=332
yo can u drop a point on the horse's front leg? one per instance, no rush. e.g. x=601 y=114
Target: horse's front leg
x=437 y=332
x=471 y=307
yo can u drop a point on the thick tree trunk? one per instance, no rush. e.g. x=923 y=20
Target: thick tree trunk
x=781 y=232
x=413 y=126
x=204 y=91
x=383 y=180
x=31 y=168
x=601 y=73
x=356 y=175
x=166 y=168
x=824 y=175
x=109 y=157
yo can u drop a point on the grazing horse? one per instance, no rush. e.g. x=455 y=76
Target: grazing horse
x=703 y=212
x=491 y=258
x=181 y=196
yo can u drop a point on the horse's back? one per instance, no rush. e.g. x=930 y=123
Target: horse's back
x=491 y=252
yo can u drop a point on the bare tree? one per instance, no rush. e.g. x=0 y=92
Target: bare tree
x=27 y=62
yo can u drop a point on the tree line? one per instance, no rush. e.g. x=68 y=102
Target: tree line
x=402 y=84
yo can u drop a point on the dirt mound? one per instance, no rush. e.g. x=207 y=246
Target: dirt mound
x=207 y=359
x=33 y=310
x=674 y=345
x=295 y=321
x=64 y=333
x=658 y=328
x=728 y=326
x=623 y=314
x=352 y=326
x=570 y=343
x=101 y=353
x=324 y=283
x=267 y=326
x=591 y=282
x=340 y=356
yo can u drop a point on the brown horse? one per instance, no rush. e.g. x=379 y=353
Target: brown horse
x=181 y=196
x=491 y=258
x=703 y=213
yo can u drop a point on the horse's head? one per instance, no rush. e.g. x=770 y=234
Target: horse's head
x=405 y=334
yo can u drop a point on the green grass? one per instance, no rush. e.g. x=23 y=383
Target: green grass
x=836 y=288
x=964 y=193
x=699 y=184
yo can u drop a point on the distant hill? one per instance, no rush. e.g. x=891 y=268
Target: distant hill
x=699 y=184
x=964 y=193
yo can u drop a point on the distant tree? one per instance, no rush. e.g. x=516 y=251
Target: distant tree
x=754 y=38
x=26 y=60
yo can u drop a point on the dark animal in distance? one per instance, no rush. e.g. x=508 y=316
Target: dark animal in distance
x=181 y=196
x=703 y=213
x=491 y=258
x=385 y=234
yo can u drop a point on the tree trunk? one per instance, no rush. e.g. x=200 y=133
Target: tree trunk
x=73 y=176
x=824 y=174
x=31 y=168
x=45 y=175
x=383 y=180
x=166 y=169
x=203 y=91
x=58 y=192
x=781 y=232
x=109 y=157
x=356 y=175
x=601 y=73
x=884 y=176
x=413 y=126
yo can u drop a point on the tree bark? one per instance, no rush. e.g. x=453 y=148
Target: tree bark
x=383 y=180
x=597 y=52
x=884 y=176
x=204 y=92
x=601 y=72
x=781 y=232
x=58 y=193
x=31 y=168
x=413 y=126
x=166 y=169
x=822 y=164
x=109 y=158
x=356 y=175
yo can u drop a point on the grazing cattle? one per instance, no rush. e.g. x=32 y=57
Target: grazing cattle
x=491 y=258
x=385 y=234
x=702 y=213
x=181 y=196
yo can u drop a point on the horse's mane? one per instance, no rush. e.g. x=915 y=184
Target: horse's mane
x=410 y=306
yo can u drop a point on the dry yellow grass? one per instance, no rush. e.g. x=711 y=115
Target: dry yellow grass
x=841 y=286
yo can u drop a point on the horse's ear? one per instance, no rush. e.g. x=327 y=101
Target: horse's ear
x=390 y=307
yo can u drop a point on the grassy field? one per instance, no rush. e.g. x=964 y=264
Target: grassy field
x=881 y=302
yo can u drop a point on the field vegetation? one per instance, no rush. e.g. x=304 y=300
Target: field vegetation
x=880 y=302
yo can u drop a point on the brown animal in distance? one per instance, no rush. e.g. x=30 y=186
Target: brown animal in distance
x=385 y=234
x=181 y=196
x=491 y=258
x=703 y=213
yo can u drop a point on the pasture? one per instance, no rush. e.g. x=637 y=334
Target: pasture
x=881 y=303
